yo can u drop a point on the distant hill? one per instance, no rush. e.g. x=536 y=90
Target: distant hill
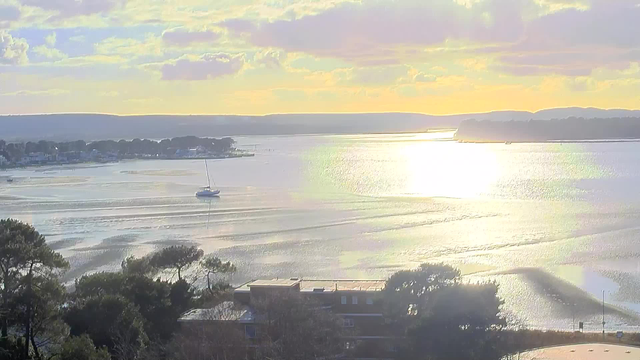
x=64 y=127
x=569 y=129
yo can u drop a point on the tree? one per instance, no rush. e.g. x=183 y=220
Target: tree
x=294 y=327
x=99 y=284
x=81 y=348
x=23 y=255
x=160 y=302
x=406 y=292
x=44 y=302
x=461 y=322
x=213 y=265
x=138 y=266
x=110 y=321
x=176 y=257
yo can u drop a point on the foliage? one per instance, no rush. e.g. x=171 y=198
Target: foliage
x=16 y=151
x=28 y=270
x=406 y=292
x=42 y=309
x=176 y=257
x=138 y=266
x=461 y=322
x=81 y=348
x=99 y=284
x=212 y=265
x=295 y=327
x=110 y=321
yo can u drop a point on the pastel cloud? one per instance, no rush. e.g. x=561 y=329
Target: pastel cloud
x=207 y=67
x=9 y=13
x=271 y=59
x=13 y=51
x=361 y=31
x=574 y=42
x=183 y=37
x=70 y=8
x=49 y=52
x=568 y=41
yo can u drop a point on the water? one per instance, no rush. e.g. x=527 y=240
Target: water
x=553 y=224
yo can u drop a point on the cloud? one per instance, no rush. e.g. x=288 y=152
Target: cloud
x=209 y=66
x=379 y=30
x=183 y=37
x=9 y=13
x=382 y=75
x=575 y=42
x=238 y=26
x=51 y=39
x=49 y=53
x=130 y=47
x=13 y=51
x=422 y=77
x=271 y=59
x=51 y=92
x=527 y=37
x=70 y=8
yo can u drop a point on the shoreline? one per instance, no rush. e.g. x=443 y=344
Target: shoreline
x=25 y=167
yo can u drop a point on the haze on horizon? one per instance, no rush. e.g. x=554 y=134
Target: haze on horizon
x=324 y=56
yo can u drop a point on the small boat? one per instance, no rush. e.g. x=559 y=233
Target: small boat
x=508 y=143
x=207 y=191
x=9 y=180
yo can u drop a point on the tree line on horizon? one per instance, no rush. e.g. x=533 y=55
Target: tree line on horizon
x=548 y=130
x=14 y=152
x=133 y=313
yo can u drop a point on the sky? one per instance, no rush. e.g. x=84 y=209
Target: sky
x=317 y=56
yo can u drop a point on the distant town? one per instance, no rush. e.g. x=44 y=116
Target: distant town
x=75 y=152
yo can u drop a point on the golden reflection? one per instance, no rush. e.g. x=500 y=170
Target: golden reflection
x=449 y=169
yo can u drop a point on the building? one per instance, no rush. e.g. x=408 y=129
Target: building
x=357 y=302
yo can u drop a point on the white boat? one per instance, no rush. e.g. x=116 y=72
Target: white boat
x=207 y=191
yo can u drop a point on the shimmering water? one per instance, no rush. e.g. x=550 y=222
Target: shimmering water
x=554 y=224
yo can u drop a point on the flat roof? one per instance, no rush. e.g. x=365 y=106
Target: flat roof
x=313 y=284
x=343 y=285
x=273 y=283
x=584 y=352
x=225 y=311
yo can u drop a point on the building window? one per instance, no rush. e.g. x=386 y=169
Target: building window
x=354 y=300
x=250 y=332
x=344 y=300
x=369 y=301
x=348 y=323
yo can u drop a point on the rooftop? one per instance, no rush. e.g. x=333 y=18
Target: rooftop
x=225 y=311
x=313 y=285
x=273 y=283
x=584 y=352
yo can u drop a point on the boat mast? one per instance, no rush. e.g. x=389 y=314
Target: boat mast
x=207 y=167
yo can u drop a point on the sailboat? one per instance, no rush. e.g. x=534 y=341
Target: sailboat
x=207 y=191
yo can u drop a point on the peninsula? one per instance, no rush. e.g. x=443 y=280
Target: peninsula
x=74 y=152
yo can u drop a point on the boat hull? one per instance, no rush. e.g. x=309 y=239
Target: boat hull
x=208 y=193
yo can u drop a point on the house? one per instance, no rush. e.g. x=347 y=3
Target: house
x=357 y=302
x=3 y=161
